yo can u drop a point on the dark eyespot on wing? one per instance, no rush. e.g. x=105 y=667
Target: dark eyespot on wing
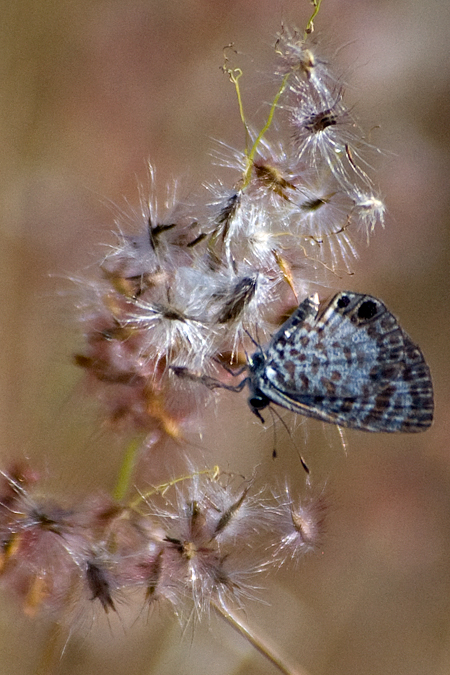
x=367 y=310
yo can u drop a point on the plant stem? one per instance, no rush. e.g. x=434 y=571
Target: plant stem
x=259 y=643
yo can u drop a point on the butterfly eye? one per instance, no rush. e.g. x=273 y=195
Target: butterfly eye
x=258 y=401
x=257 y=360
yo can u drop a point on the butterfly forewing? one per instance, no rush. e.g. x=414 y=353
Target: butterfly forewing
x=351 y=365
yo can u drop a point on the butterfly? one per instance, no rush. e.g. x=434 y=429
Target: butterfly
x=350 y=364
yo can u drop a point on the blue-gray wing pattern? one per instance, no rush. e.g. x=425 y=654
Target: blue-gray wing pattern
x=352 y=365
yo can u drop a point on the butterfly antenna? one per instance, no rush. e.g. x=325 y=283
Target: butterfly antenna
x=274 y=451
x=255 y=342
x=302 y=461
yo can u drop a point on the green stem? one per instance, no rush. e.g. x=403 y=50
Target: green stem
x=126 y=470
x=310 y=25
x=252 y=153
x=162 y=489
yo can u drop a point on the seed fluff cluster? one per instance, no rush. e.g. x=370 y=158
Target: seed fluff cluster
x=188 y=288
x=185 y=289
x=198 y=541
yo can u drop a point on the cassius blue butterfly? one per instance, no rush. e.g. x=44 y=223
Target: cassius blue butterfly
x=349 y=364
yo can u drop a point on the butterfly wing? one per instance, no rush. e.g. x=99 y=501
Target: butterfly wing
x=352 y=365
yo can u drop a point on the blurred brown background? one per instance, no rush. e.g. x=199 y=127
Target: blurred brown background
x=90 y=91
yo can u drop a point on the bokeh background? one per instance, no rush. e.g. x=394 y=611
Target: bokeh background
x=90 y=91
